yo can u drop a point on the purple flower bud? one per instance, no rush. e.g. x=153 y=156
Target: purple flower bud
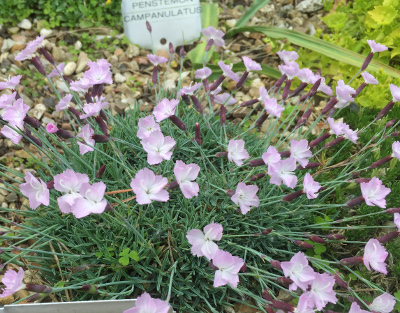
x=284 y=281
x=103 y=115
x=75 y=112
x=390 y=123
x=181 y=125
x=393 y=210
x=280 y=81
x=209 y=44
x=381 y=162
x=217 y=83
x=267 y=296
x=97 y=90
x=196 y=103
x=351 y=261
x=303 y=244
x=197 y=134
x=340 y=282
x=284 y=154
x=230 y=192
x=257 y=177
x=186 y=99
x=172 y=185
x=395 y=134
x=314 y=88
x=267 y=231
x=212 y=266
x=148 y=26
x=359 y=89
x=310 y=165
x=334 y=142
x=329 y=105
x=34 y=297
x=304 y=118
x=362 y=180
x=88 y=98
x=317 y=239
x=205 y=84
x=256 y=162
x=243 y=269
x=109 y=208
x=154 y=77
x=388 y=237
x=50 y=184
x=298 y=89
x=46 y=54
x=335 y=237
x=38 y=64
x=276 y=264
x=37 y=141
x=280 y=305
x=248 y=103
x=261 y=119
x=17 y=96
x=367 y=60
x=32 y=122
x=355 y=202
x=100 y=138
x=182 y=52
x=385 y=110
x=171 y=48
x=286 y=89
x=64 y=134
x=242 y=80
x=38 y=288
x=102 y=125
x=67 y=79
x=222 y=155
x=101 y=171
x=292 y=196
x=89 y=289
x=222 y=115
x=320 y=139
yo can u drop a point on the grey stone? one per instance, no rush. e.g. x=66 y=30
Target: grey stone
x=12 y=197
x=82 y=62
x=69 y=68
x=308 y=6
x=58 y=54
x=134 y=65
x=132 y=51
x=45 y=32
x=25 y=24
x=77 y=45
x=118 y=78
x=287 y=8
x=49 y=102
x=38 y=111
x=26 y=99
x=46 y=120
x=13 y=30
x=7 y=45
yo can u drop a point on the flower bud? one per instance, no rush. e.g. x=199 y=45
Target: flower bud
x=67 y=79
x=92 y=289
x=64 y=134
x=172 y=185
x=155 y=75
x=257 y=177
x=97 y=90
x=32 y=122
x=395 y=134
x=286 y=89
x=351 y=261
x=280 y=81
x=38 y=64
x=212 y=266
x=276 y=264
x=335 y=237
x=284 y=154
x=280 y=305
x=46 y=54
x=38 y=288
x=35 y=297
x=362 y=180
x=320 y=139
x=217 y=83
x=88 y=98
x=256 y=162
x=109 y=208
x=261 y=119
x=385 y=110
x=292 y=196
x=186 y=99
x=28 y=134
x=101 y=171
x=359 y=89
x=390 y=123
x=381 y=162
x=303 y=119
x=102 y=125
x=249 y=103
x=209 y=44
x=388 y=237
x=310 y=165
x=393 y=210
x=171 y=48
x=50 y=184
x=355 y=202
x=75 y=112
x=100 y=138
x=334 y=142
x=197 y=134
x=182 y=52
x=329 y=105
x=196 y=103
x=298 y=89
x=222 y=154
x=148 y=26
x=243 y=269
x=181 y=125
x=222 y=114
x=303 y=244
x=316 y=239
x=266 y=231
x=230 y=192
x=267 y=296
x=103 y=115
x=284 y=281
x=242 y=80
x=314 y=88
x=340 y=282
x=367 y=60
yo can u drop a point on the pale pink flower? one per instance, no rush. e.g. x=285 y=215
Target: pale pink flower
x=16 y=113
x=146 y=304
x=263 y=94
x=30 y=49
x=147 y=186
x=344 y=94
x=216 y=91
x=203 y=243
x=374 y=192
x=215 y=34
x=349 y=134
x=11 y=134
x=300 y=151
x=272 y=107
x=60 y=67
x=91 y=200
x=156 y=60
x=158 y=147
x=306 y=76
x=64 y=103
x=283 y=171
x=304 y=304
x=397 y=220
x=147 y=125
x=251 y=65
x=164 y=109
x=86 y=135
x=376 y=47
x=36 y=191
x=290 y=69
x=99 y=72
x=51 y=128
x=310 y=186
x=383 y=304
x=93 y=109
x=395 y=91
x=321 y=292
x=396 y=149
x=355 y=308
x=185 y=176
x=81 y=85
x=322 y=87
x=203 y=73
x=336 y=127
x=287 y=56
x=374 y=256
x=189 y=90
x=227 y=71
x=246 y=197
x=369 y=79
x=225 y=98
x=7 y=100
x=237 y=152
x=13 y=282
x=298 y=270
x=272 y=156
x=11 y=82
x=228 y=268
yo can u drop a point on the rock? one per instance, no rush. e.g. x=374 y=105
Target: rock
x=25 y=24
x=46 y=120
x=17 y=47
x=38 y=111
x=26 y=99
x=82 y=62
x=311 y=29
x=58 y=54
x=287 y=8
x=45 y=32
x=118 y=52
x=9 y=299
x=2 y=199
x=22 y=154
x=2 y=191
x=298 y=21
x=61 y=85
x=308 y=6
x=4 y=205
x=120 y=106
x=69 y=69
x=12 y=197
x=77 y=45
x=132 y=51
x=13 y=30
x=49 y=102
x=231 y=23
x=7 y=45
x=134 y=65
x=118 y=78
x=241 y=112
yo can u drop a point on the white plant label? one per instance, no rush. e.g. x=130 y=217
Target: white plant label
x=175 y=21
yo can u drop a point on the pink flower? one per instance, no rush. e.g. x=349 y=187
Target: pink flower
x=222 y=98
x=300 y=151
x=251 y=65
x=147 y=125
x=164 y=109
x=36 y=192
x=189 y=90
x=51 y=128
x=272 y=107
x=349 y=133
x=30 y=49
x=203 y=243
x=60 y=67
x=375 y=255
x=303 y=306
x=336 y=127
x=11 y=82
x=383 y=304
x=99 y=72
x=272 y=156
x=322 y=292
x=93 y=109
x=91 y=200
x=228 y=268
x=216 y=91
x=16 y=113
x=290 y=69
x=147 y=186
x=306 y=76
x=158 y=147
x=185 y=176
x=397 y=220
x=227 y=71
x=376 y=47
x=203 y=73
x=246 y=197
x=323 y=87
x=13 y=282
x=396 y=149
x=298 y=270
x=64 y=103
x=11 y=134
x=395 y=92
x=344 y=94
x=287 y=56
x=283 y=171
x=374 y=192
x=310 y=186
x=7 y=100
x=156 y=60
x=81 y=85
x=86 y=135
x=263 y=94
x=216 y=35
x=146 y=304
x=237 y=152
x=355 y=308
x=369 y=79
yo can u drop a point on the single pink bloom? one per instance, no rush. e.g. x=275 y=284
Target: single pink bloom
x=263 y=94
x=376 y=47
x=156 y=60
x=287 y=56
x=185 y=176
x=60 y=67
x=227 y=71
x=189 y=90
x=158 y=147
x=237 y=152
x=203 y=243
x=304 y=304
x=306 y=76
x=36 y=191
x=344 y=94
x=216 y=91
x=146 y=304
x=215 y=34
x=16 y=113
x=246 y=197
x=228 y=269
x=349 y=133
x=374 y=192
x=282 y=171
x=395 y=92
x=272 y=107
x=30 y=49
x=374 y=256
x=298 y=270
x=7 y=100
x=222 y=98
x=203 y=73
x=99 y=72
x=81 y=85
x=290 y=69
x=300 y=151
x=11 y=82
x=383 y=304
x=251 y=65
x=13 y=282
x=355 y=308
x=64 y=103
x=147 y=186
x=51 y=128
x=397 y=220
x=11 y=134
x=164 y=109
x=86 y=135
x=369 y=79
x=336 y=127
x=322 y=87
x=310 y=186
x=147 y=125
x=93 y=109
x=321 y=292
x=272 y=156
x=396 y=149
x=92 y=200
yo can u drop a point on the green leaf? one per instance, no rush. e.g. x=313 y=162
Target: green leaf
x=335 y=20
x=318 y=45
x=85 y=24
x=124 y=252
x=99 y=254
x=383 y=15
x=134 y=256
x=124 y=260
x=319 y=248
x=251 y=11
